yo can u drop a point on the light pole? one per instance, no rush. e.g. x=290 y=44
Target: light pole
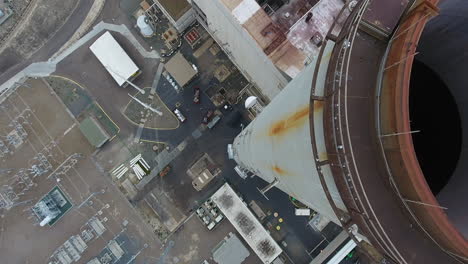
x=146 y=105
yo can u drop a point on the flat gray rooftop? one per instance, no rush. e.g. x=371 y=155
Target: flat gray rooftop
x=230 y=251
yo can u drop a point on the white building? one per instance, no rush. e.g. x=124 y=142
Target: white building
x=114 y=58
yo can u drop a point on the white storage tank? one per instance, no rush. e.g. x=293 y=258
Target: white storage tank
x=145 y=28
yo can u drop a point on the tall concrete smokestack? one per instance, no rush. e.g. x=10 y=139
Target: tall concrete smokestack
x=277 y=146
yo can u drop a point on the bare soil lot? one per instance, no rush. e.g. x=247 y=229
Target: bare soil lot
x=30 y=28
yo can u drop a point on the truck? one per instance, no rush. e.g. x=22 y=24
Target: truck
x=165 y=171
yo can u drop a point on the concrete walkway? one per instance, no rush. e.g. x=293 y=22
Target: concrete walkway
x=157 y=77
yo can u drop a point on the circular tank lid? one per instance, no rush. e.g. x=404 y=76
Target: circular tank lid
x=250 y=101
x=141 y=21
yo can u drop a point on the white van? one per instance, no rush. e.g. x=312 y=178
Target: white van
x=179 y=115
x=211 y=225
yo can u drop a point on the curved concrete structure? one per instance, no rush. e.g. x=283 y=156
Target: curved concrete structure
x=360 y=144
x=443 y=48
x=404 y=169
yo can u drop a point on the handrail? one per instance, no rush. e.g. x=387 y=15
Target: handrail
x=339 y=84
x=349 y=32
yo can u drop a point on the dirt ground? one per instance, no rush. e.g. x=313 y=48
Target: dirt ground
x=42 y=20
x=53 y=132
x=19 y=8
x=152 y=219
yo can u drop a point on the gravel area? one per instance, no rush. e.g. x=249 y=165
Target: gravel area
x=39 y=22
x=46 y=18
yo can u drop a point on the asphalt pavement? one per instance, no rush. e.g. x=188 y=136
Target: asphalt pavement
x=295 y=230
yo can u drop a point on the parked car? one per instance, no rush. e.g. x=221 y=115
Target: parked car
x=213 y=122
x=179 y=115
x=196 y=95
x=211 y=225
x=219 y=218
x=207 y=117
x=165 y=171
x=214 y=212
x=206 y=220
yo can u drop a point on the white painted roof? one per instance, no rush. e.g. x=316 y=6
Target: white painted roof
x=246 y=224
x=245 y=10
x=116 y=61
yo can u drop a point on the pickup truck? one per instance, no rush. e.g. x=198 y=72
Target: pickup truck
x=213 y=121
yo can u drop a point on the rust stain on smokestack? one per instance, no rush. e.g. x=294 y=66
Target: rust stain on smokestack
x=293 y=121
x=279 y=170
x=318 y=106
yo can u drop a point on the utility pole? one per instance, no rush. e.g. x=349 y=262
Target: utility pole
x=127 y=81
x=146 y=106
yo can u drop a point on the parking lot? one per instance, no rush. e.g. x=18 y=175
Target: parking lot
x=51 y=131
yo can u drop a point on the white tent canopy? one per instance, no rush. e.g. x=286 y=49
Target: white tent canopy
x=116 y=61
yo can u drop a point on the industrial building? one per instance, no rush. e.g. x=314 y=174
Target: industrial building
x=232 y=206
x=283 y=35
x=180 y=69
x=179 y=12
x=344 y=138
x=114 y=59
